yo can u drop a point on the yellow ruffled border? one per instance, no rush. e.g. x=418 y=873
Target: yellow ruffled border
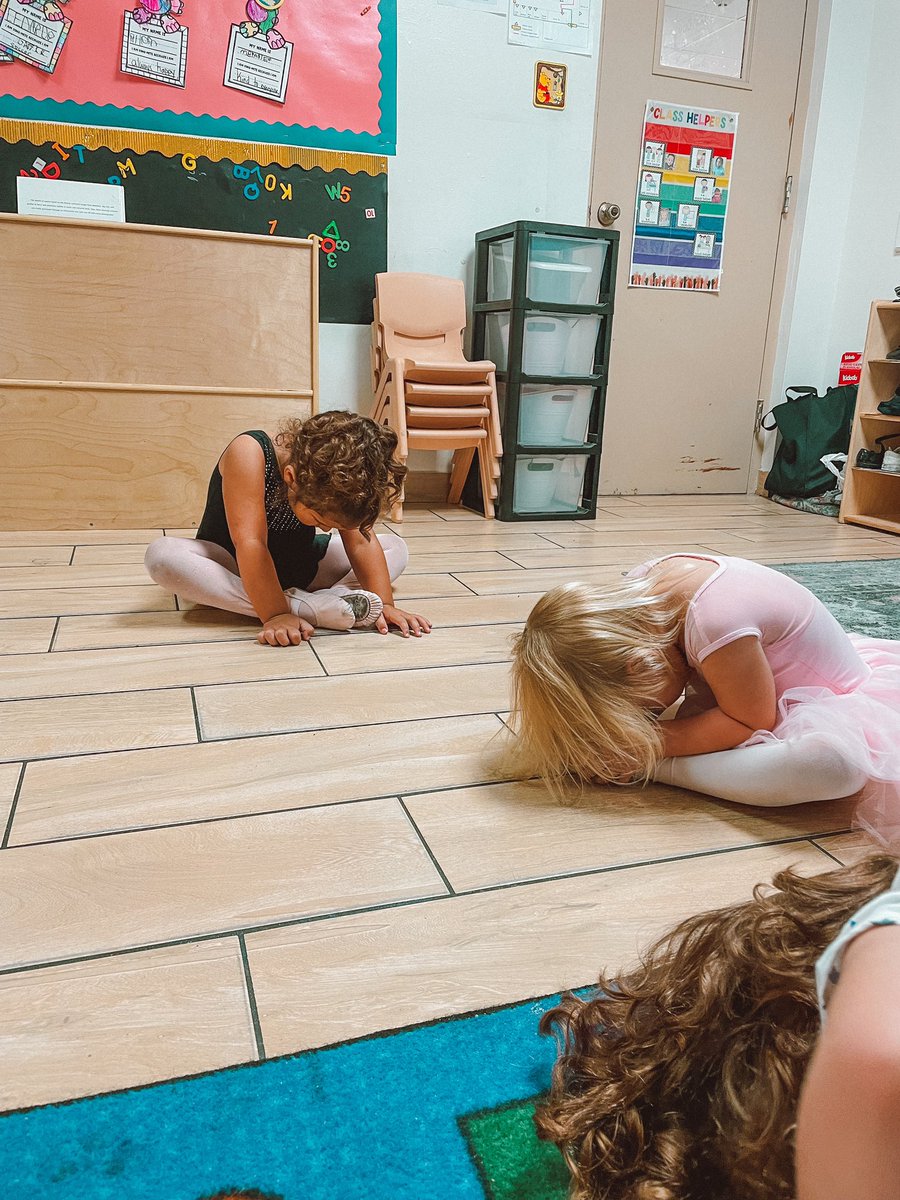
x=174 y=145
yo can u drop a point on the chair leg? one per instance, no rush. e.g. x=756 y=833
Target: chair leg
x=462 y=461
x=397 y=506
x=487 y=482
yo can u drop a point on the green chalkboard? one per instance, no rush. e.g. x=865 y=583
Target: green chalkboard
x=348 y=209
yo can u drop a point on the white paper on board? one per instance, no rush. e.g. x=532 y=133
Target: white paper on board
x=151 y=53
x=253 y=66
x=557 y=26
x=65 y=198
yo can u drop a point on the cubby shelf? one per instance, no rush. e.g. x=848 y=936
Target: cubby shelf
x=870 y=495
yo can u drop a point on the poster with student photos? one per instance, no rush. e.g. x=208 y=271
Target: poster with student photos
x=681 y=197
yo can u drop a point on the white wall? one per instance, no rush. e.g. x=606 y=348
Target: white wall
x=472 y=153
x=850 y=190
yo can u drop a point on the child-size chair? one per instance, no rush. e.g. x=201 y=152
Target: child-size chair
x=425 y=388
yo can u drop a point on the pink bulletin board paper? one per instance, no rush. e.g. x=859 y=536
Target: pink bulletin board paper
x=335 y=79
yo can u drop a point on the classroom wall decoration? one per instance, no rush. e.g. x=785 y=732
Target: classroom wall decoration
x=684 y=182
x=272 y=71
x=212 y=184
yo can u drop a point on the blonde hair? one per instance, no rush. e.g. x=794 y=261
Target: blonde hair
x=586 y=667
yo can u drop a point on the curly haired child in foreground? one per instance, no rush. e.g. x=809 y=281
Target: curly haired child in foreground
x=681 y=1079
x=257 y=551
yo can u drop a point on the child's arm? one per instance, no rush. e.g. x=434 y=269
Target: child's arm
x=848 y=1124
x=370 y=568
x=243 y=469
x=744 y=689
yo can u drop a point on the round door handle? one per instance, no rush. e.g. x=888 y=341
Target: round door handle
x=608 y=213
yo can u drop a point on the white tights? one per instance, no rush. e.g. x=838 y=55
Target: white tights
x=771 y=774
x=205 y=573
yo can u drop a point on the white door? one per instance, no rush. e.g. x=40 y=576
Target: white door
x=685 y=364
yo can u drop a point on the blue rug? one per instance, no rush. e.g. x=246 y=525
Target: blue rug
x=413 y=1115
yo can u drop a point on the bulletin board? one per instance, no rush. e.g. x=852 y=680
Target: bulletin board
x=205 y=183
x=681 y=202
x=290 y=72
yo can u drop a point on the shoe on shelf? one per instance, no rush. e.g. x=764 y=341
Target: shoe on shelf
x=891 y=462
x=891 y=408
x=894 y=355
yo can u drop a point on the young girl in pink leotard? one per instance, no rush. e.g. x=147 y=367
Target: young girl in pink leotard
x=779 y=705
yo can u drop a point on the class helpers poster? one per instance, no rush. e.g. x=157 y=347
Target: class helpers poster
x=681 y=203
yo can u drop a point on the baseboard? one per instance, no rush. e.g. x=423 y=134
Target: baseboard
x=427 y=486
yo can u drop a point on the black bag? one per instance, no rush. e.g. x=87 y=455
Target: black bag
x=810 y=426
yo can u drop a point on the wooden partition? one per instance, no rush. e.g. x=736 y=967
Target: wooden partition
x=130 y=354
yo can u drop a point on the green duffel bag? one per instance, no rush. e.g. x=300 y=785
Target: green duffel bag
x=811 y=426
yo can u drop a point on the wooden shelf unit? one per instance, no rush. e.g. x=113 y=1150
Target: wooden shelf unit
x=871 y=497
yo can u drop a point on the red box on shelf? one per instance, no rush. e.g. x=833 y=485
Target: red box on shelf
x=851 y=368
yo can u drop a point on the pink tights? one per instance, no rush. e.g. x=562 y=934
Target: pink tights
x=204 y=573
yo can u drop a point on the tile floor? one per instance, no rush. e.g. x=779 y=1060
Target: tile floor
x=214 y=852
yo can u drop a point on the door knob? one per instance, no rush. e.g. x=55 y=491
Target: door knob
x=608 y=213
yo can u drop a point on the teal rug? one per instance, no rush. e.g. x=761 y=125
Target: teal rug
x=864 y=595
x=437 y=1112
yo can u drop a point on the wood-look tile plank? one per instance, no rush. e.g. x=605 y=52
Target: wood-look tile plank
x=33 y=556
x=131 y=889
x=454 y=647
x=492 y=583
x=482 y=836
x=102 y=631
x=599 y=554
x=75 y=537
x=142 y=668
x=849 y=848
x=474 y=542
x=90 y=576
x=424 y=562
x=103 y=556
x=26 y=635
x=67 y=601
x=252 y=708
x=423 y=587
x=103 y=793
x=481 y=610
x=347 y=977
x=89 y=724
x=120 y=1022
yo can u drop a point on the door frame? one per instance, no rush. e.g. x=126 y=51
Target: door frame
x=790 y=235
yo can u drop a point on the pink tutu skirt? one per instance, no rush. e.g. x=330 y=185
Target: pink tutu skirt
x=865 y=725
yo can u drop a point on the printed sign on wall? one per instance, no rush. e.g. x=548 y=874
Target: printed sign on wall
x=681 y=203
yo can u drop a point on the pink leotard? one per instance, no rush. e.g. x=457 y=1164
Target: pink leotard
x=827 y=681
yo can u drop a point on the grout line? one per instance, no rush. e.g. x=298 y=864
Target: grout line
x=316 y=918
x=53 y=635
x=465 y=585
x=318 y=659
x=72 y=556
x=4 y=842
x=418 y=832
x=251 y=1000
x=196 y=713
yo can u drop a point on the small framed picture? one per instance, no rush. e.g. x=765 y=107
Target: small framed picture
x=687 y=217
x=654 y=154
x=550 y=85
x=704 y=245
x=704 y=186
x=700 y=159
x=648 y=212
x=718 y=166
x=669 y=162
x=650 y=183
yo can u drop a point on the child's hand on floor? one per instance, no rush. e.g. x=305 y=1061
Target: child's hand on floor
x=285 y=629
x=407 y=622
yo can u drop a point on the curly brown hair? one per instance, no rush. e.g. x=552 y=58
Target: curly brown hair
x=680 y=1081
x=344 y=464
